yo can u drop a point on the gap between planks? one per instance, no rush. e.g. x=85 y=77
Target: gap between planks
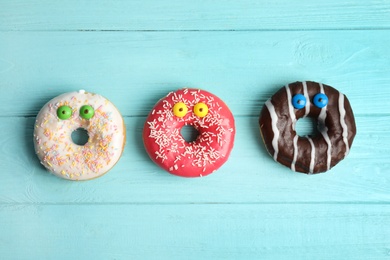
x=204 y=30
x=373 y=203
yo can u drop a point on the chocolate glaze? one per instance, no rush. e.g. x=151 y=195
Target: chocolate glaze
x=309 y=154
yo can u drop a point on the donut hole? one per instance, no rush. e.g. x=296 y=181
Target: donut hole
x=189 y=133
x=80 y=136
x=307 y=126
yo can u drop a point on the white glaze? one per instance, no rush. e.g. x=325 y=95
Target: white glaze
x=54 y=145
x=275 y=130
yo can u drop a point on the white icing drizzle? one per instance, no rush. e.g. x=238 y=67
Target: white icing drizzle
x=293 y=119
x=274 y=120
x=312 y=154
x=295 y=144
x=290 y=106
x=342 y=122
x=324 y=131
x=307 y=107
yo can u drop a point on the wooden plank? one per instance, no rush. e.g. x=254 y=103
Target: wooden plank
x=195 y=231
x=135 y=69
x=193 y=15
x=249 y=176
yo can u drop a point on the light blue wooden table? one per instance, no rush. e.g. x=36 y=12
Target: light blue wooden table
x=134 y=52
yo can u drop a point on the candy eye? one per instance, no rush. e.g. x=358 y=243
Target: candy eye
x=180 y=109
x=201 y=109
x=64 y=112
x=320 y=100
x=299 y=101
x=87 y=112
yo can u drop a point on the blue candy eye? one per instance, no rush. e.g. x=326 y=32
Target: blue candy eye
x=320 y=100
x=299 y=101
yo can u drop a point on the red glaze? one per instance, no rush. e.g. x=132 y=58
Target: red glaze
x=168 y=149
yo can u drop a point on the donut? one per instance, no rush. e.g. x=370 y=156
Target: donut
x=310 y=154
x=208 y=114
x=68 y=112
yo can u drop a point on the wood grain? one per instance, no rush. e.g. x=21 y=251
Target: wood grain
x=37 y=66
x=196 y=231
x=194 y=15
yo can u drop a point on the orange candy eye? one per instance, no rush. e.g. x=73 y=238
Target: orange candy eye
x=180 y=109
x=201 y=110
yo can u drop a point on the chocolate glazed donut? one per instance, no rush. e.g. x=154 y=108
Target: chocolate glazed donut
x=310 y=154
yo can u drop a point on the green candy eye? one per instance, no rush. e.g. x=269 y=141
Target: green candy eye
x=64 y=112
x=87 y=112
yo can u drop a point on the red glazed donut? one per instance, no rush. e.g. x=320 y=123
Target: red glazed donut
x=208 y=114
x=310 y=154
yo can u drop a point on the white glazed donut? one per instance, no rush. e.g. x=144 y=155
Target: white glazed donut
x=68 y=112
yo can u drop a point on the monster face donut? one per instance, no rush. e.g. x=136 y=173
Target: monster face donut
x=310 y=154
x=207 y=114
x=71 y=111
